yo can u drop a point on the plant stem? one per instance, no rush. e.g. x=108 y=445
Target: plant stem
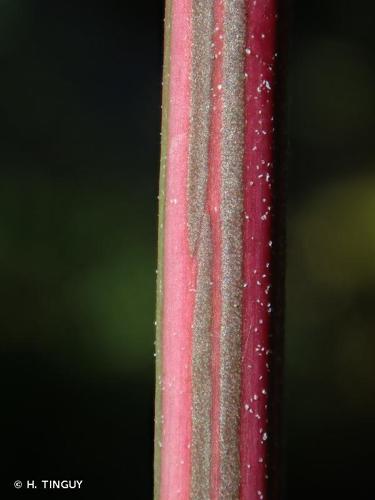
x=220 y=270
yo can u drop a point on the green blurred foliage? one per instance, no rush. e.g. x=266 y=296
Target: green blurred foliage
x=331 y=284
x=81 y=269
x=331 y=112
x=330 y=321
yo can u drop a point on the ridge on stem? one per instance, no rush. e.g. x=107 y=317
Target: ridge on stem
x=220 y=302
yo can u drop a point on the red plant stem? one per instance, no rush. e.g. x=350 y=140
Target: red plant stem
x=259 y=163
x=220 y=267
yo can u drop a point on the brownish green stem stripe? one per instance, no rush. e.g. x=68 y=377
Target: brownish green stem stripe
x=200 y=239
x=231 y=250
x=159 y=280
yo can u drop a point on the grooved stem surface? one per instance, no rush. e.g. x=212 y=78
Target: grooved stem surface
x=219 y=319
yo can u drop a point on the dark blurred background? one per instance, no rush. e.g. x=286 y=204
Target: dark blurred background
x=79 y=147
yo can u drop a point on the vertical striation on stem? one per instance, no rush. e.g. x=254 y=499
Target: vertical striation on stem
x=219 y=307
